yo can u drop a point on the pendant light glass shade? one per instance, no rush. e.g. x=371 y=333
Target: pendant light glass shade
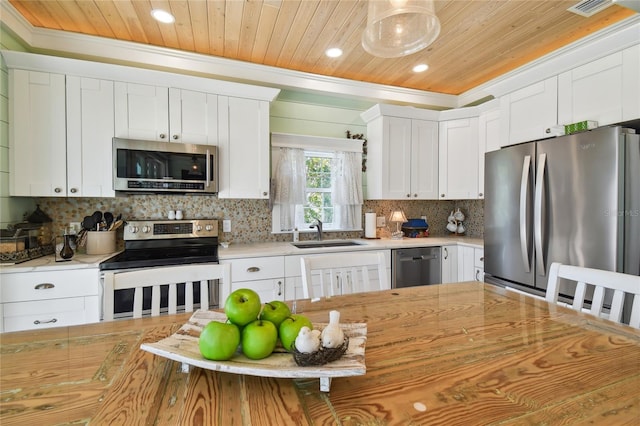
x=399 y=27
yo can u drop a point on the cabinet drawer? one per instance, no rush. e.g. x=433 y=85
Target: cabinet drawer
x=257 y=268
x=479 y=258
x=44 y=314
x=47 y=285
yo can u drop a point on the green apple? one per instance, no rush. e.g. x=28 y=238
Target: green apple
x=219 y=340
x=275 y=312
x=290 y=327
x=259 y=339
x=242 y=306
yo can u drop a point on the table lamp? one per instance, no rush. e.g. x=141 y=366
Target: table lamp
x=398 y=217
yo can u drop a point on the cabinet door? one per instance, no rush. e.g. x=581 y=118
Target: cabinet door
x=449 y=264
x=193 y=117
x=243 y=148
x=396 y=175
x=488 y=140
x=90 y=129
x=142 y=111
x=466 y=263
x=598 y=90
x=458 y=165
x=424 y=160
x=37 y=134
x=530 y=113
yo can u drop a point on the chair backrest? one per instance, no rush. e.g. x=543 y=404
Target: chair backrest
x=168 y=275
x=600 y=280
x=342 y=273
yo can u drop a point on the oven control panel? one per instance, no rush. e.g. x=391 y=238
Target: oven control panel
x=165 y=229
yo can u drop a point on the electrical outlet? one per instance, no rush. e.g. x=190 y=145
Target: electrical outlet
x=226 y=225
x=380 y=221
x=423 y=218
x=74 y=227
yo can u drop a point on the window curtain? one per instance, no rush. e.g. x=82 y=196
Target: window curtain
x=290 y=182
x=347 y=188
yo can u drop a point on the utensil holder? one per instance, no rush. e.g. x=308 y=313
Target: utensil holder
x=101 y=242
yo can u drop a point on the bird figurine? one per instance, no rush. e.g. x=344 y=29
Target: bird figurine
x=332 y=336
x=308 y=341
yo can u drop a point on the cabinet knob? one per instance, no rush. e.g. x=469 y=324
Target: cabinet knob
x=264 y=194
x=480 y=194
x=57 y=190
x=162 y=136
x=415 y=195
x=73 y=190
x=548 y=130
x=175 y=137
x=408 y=195
x=442 y=195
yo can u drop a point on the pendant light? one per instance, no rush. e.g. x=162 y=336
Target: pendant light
x=399 y=27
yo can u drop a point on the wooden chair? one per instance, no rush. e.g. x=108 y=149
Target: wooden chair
x=171 y=275
x=600 y=280
x=343 y=273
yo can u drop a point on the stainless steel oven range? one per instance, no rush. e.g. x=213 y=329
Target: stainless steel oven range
x=163 y=243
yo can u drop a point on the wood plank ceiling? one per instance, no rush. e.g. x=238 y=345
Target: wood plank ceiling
x=479 y=39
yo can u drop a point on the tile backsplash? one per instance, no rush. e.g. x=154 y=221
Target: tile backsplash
x=250 y=219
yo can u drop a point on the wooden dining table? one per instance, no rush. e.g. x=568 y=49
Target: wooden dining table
x=452 y=354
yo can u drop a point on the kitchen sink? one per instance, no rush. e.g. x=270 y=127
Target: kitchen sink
x=328 y=243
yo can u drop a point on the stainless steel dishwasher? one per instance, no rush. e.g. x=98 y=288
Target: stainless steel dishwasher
x=416 y=266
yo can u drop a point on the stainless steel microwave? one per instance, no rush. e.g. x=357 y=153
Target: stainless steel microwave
x=152 y=167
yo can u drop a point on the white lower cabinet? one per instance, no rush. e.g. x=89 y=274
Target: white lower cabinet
x=450 y=264
x=264 y=275
x=470 y=264
x=34 y=300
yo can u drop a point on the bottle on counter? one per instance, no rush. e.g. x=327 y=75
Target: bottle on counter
x=296 y=235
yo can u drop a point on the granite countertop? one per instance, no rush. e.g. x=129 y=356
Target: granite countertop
x=237 y=251
x=247 y=250
x=48 y=263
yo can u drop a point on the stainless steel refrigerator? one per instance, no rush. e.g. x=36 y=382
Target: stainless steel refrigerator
x=573 y=199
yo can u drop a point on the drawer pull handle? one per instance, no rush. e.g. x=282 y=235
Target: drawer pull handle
x=253 y=269
x=36 y=322
x=279 y=288
x=44 y=286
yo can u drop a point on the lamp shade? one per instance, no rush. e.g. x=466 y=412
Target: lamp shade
x=399 y=27
x=397 y=216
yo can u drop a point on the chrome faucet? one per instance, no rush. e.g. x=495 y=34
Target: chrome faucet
x=318 y=225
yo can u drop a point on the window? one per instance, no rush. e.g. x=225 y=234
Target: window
x=318 y=203
x=316 y=178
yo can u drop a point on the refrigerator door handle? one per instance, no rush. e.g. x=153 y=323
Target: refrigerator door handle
x=524 y=181
x=537 y=214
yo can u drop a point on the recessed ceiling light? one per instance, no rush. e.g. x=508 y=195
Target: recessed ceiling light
x=163 y=16
x=420 y=68
x=334 y=52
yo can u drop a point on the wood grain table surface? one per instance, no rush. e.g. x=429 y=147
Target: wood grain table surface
x=451 y=354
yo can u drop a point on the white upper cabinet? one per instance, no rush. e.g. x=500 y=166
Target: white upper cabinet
x=37 y=134
x=193 y=117
x=424 y=160
x=459 y=159
x=488 y=140
x=402 y=156
x=530 y=113
x=166 y=114
x=243 y=148
x=142 y=111
x=606 y=90
x=90 y=129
